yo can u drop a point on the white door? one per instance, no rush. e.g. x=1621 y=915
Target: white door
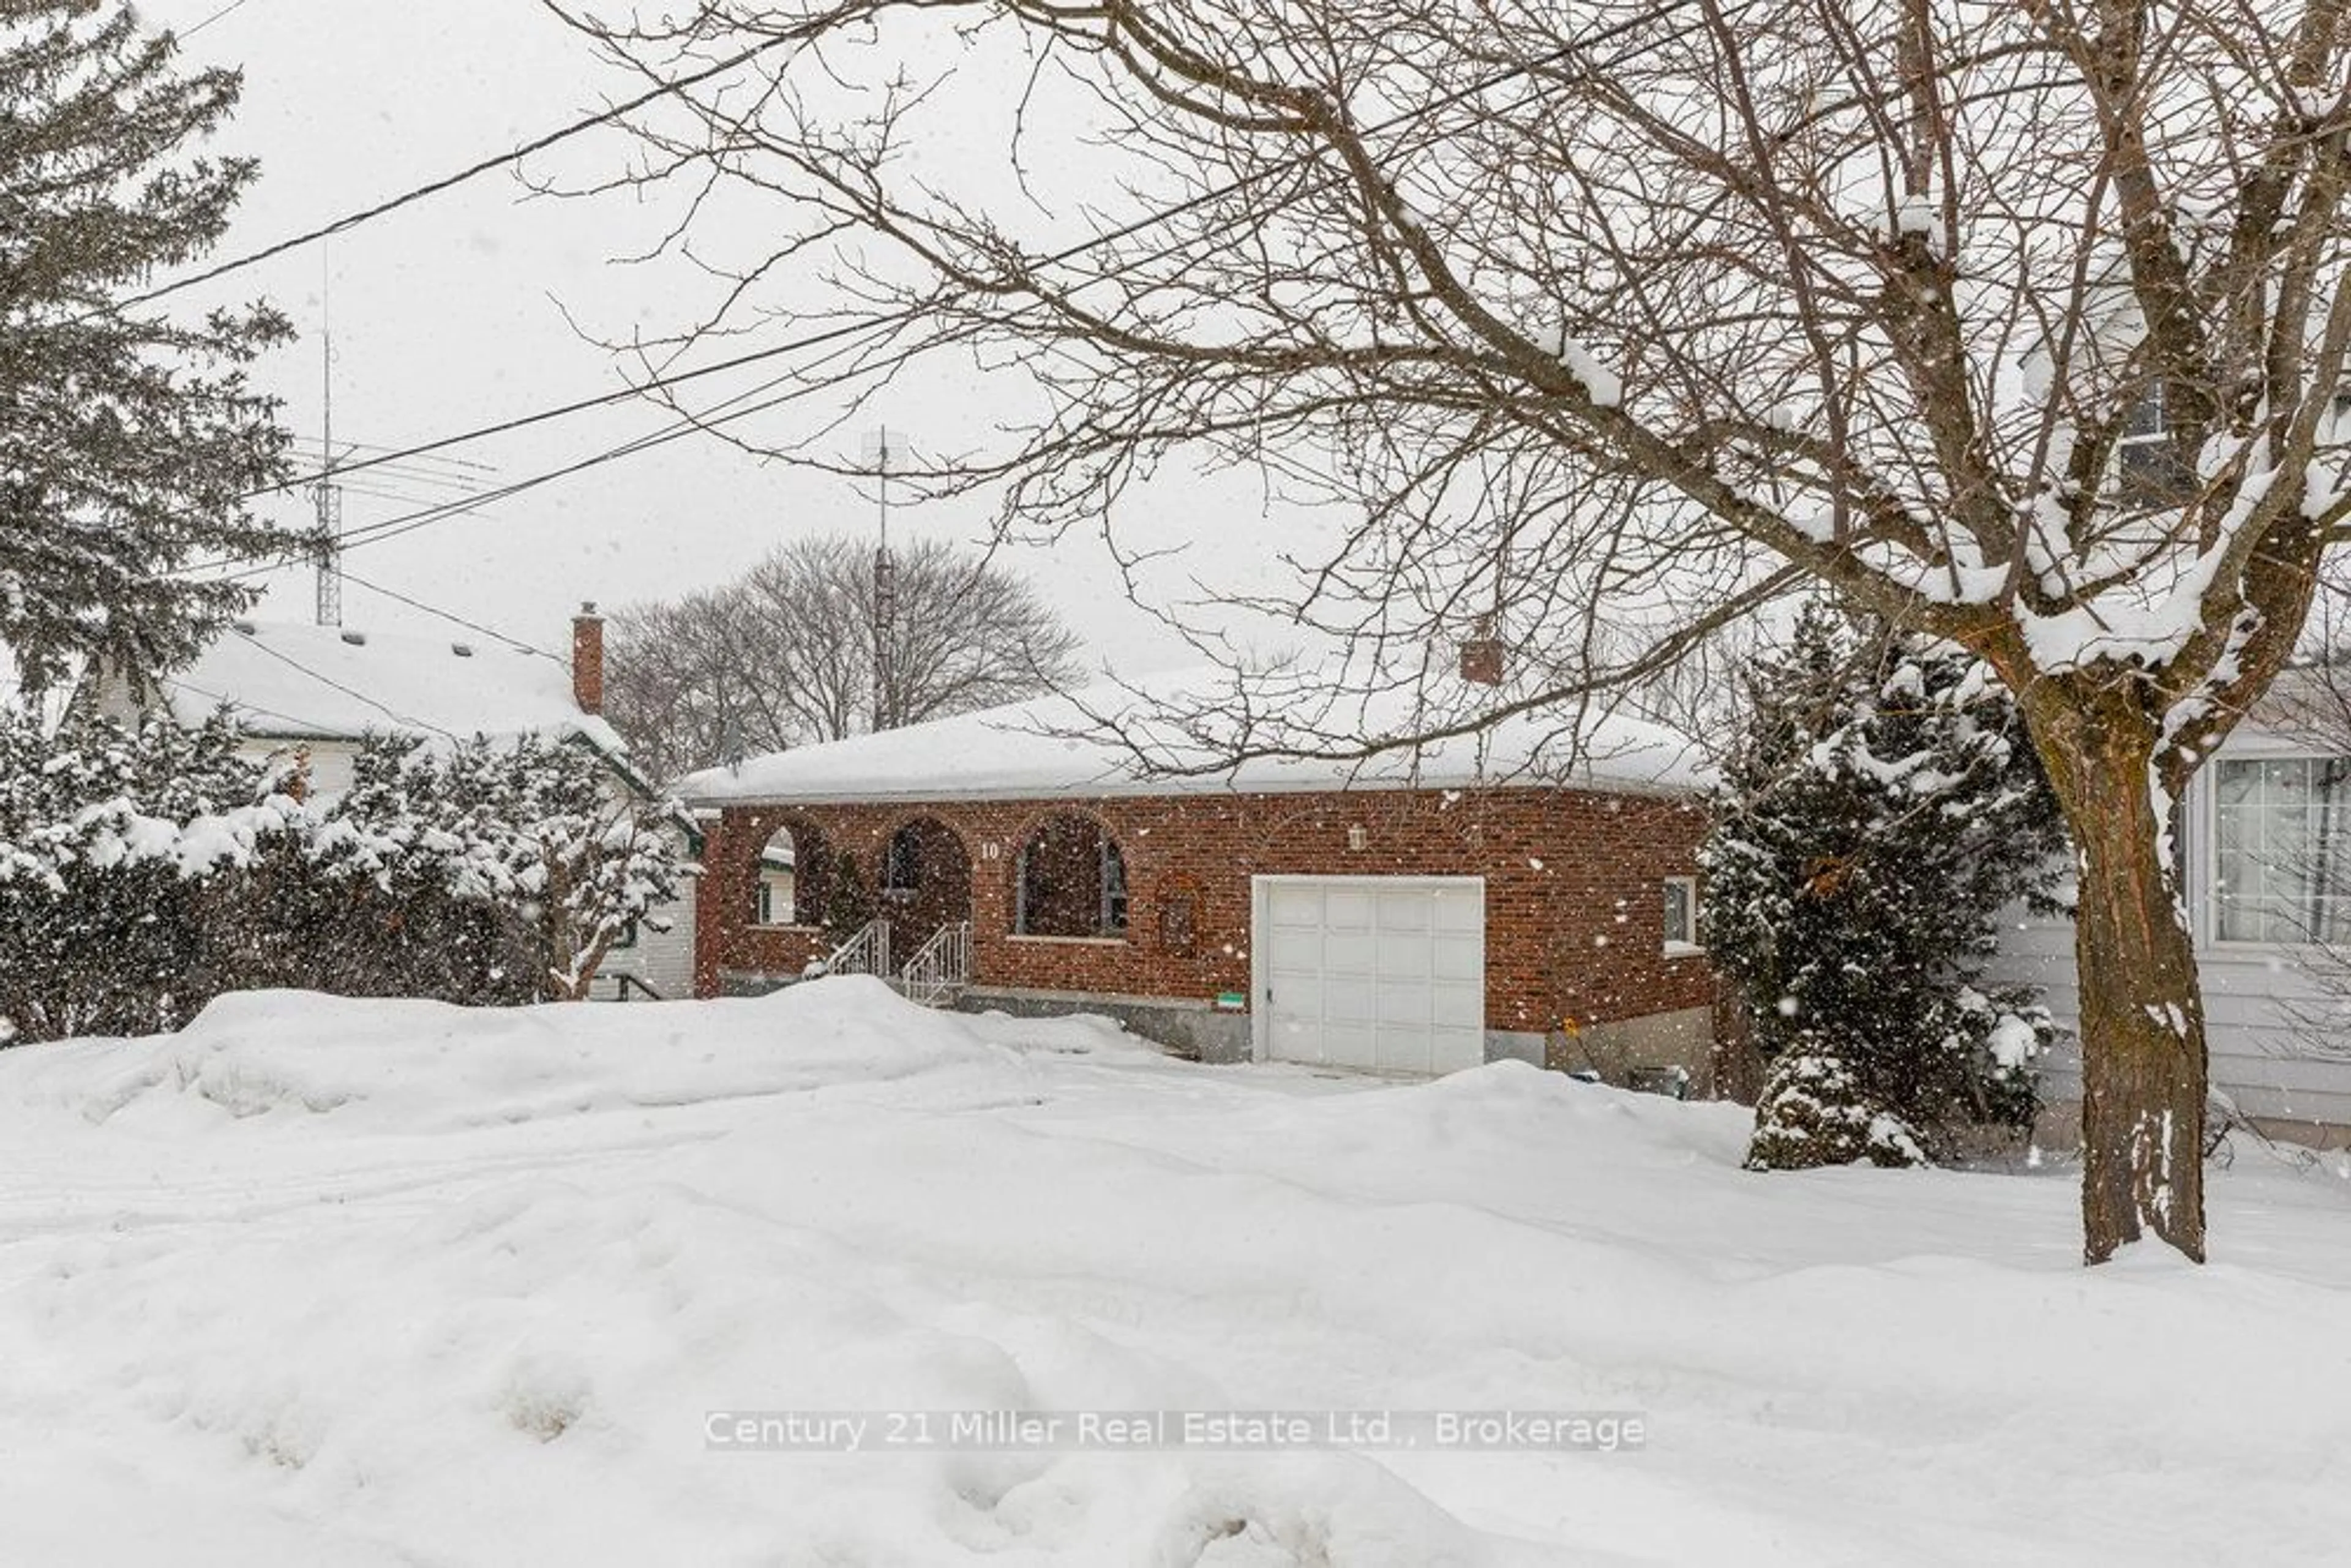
x=1384 y=973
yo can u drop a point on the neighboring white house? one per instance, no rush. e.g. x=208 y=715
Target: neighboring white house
x=320 y=690
x=2265 y=836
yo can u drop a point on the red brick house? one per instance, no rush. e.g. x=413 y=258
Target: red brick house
x=1416 y=913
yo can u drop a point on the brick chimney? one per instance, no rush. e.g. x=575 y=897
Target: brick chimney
x=588 y=659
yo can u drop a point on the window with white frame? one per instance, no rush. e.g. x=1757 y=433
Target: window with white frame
x=2147 y=460
x=1681 y=912
x=2281 y=848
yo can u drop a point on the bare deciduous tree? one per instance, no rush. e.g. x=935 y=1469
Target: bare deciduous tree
x=784 y=655
x=2019 y=324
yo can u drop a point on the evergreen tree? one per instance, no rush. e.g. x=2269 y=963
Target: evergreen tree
x=377 y=907
x=1881 y=809
x=538 y=833
x=131 y=440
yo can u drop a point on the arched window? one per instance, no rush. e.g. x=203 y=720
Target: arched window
x=902 y=865
x=789 y=888
x=1070 y=881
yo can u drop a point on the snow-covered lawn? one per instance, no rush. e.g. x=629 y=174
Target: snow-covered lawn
x=388 y=1283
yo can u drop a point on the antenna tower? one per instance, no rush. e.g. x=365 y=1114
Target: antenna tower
x=326 y=493
x=879 y=451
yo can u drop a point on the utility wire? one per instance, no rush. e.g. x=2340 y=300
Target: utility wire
x=393 y=527
x=187 y=33
x=689 y=422
x=506 y=637
x=708 y=418
x=628 y=394
x=396 y=718
x=913 y=313
x=446 y=183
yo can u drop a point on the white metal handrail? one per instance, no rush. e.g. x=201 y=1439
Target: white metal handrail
x=940 y=966
x=867 y=953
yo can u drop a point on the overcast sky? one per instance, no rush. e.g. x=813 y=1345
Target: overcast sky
x=452 y=314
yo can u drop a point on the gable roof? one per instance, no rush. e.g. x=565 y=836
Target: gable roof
x=1057 y=746
x=291 y=681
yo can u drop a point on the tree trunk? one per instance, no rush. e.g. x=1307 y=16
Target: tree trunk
x=2144 y=1070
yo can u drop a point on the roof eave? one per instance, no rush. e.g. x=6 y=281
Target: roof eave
x=1163 y=789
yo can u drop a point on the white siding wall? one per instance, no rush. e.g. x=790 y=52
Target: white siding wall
x=661 y=960
x=2259 y=1057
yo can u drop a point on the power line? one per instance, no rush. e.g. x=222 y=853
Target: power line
x=185 y=34
x=454 y=618
x=446 y=183
x=330 y=681
x=628 y=393
x=224 y=701
x=900 y=317
x=393 y=527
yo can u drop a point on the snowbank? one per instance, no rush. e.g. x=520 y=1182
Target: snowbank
x=422 y=1066
x=377 y=1283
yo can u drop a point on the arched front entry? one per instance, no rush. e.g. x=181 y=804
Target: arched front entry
x=793 y=879
x=926 y=884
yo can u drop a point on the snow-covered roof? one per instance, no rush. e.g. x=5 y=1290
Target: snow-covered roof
x=286 y=679
x=1120 y=740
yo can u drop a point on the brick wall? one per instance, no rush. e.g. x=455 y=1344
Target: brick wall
x=1574 y=911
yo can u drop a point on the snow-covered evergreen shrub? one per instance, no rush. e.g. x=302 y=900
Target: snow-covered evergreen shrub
x=1881 y=808
x=375 y=905
x=118 y=848
x=1815 y=1112
x=531 y=827
x=143 y=871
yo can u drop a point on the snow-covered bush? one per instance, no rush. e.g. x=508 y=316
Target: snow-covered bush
x=487 y=871
x=373 y=904
x=1815 y=1112
x=143 y=871
x=117 y=849
x=1881 y=808
x=531 y=827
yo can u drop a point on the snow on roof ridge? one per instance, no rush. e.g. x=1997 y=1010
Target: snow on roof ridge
x=298 y=680
x=1034 y=749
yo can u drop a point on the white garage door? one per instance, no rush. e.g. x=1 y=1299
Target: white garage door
x=1385 y=973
